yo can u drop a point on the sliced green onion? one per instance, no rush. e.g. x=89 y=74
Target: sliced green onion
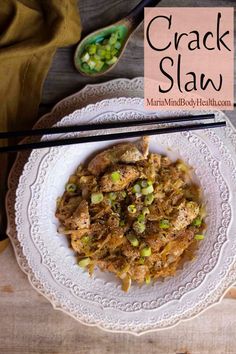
x=101 y=53
x=122 y=223
x=108 y=47
x=164 y=224
x=92 y=48
x=139 y=227
x=112 y=196
x=145 y=211
x=123 y=194
x=147 y=190
x=149 y=183
x=141 y=218
x=132 y=209
x=71 y=187
x=99 y=65
x=85 y=57
x=96 y=198
x=133 y=240
x=112 y=61
x=117 y=45
x=138 y=195
x=148 y=279
x=136 y=188
x=141 y=260
x=199 y=237
x=84 y=262
x=113 y=38
x=91 y=64
x=85 y=66
x=115 y=176
x=144 y=183
x=146 y=251
x=197 y=222
x=149 y=199
x=85 y=239
x=108 y=56
x=114 y=52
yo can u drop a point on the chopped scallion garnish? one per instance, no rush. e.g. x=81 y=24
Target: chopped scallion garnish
x=197 y=222
x=96 y=198
x=132 y=209
x=164 y=224
x=145 y=211
x=136 y=188
x=139 y=227
x=199 y=237
x=71 y=187
x=141 y=218
x=133 y=240
x=149 y=199
x=147 y=190
x=146 y=251
x=115 y=176
x=112 y=196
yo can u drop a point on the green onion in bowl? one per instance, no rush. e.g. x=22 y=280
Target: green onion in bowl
x=102 y=53
x=112 y=195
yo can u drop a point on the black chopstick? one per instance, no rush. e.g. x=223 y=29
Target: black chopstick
x=114 y=136
x=91 y=127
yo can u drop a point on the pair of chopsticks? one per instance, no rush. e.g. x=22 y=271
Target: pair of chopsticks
x=108 y=127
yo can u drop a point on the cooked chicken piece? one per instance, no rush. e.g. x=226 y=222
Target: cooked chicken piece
x=80 y=218
x=126 y=153
x=116 y=240
x=126 y=175
x=130 y=252
x=76 y=236
x=135 y=152
x=67 y=207
x=186 y=214
x=154 y=242
x=87 y=183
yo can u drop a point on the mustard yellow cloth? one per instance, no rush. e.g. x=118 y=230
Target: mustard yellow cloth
x=30 y=32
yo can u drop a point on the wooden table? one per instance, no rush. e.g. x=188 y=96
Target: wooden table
x=28 y=323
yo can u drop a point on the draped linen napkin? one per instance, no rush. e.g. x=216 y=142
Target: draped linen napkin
x=30 y=33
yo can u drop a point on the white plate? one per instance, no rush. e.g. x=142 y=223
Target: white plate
x=100 y=301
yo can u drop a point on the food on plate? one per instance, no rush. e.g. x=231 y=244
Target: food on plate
x=131 y=212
